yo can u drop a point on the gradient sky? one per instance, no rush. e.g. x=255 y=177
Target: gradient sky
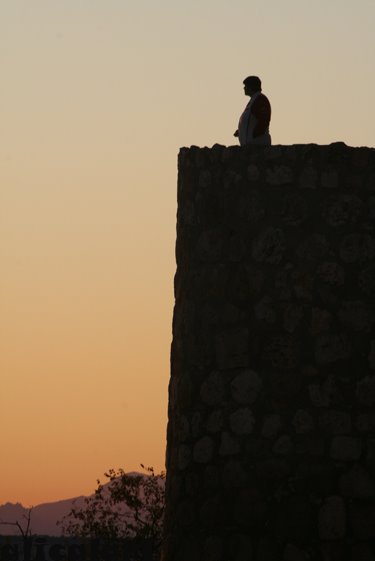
x=96 y=98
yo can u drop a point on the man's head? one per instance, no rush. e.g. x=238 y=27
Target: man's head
x=252 y=84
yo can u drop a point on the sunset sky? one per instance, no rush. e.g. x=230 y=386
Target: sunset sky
x=96 y=98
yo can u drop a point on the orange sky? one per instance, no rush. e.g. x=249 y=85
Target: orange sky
x=96 y=99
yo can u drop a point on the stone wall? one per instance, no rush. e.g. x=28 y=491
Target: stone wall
x=271 y=433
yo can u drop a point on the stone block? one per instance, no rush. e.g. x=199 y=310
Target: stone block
x=250 y=508
x=185 y=512
x=192 y=483
x=229 y=445
x=253 y=172
x=365 y=392
x=234 y=475
x=315 y=477
x=308 y=178
x=187 y=548
x=371 y=356
x=320 y=321
x=269 y=246
x=294 y=553
x=184 y=456
x=370 y=455
x=313 y=249
x=331 y=273
x=210 y=246
x=212 y=478
x=239 y=548
x=281 y=352
x=318 y=396
x=366 y=280
x=362 y=552
x=357 y=248
x=310 y=445
x=344 y=209
x=267 y=550
x=196 y=424
x=272 y=469
x=265 y=310
x=294 y=209
x=213 y=549
x=303 y=422
x=362 y=520
x=256 y=447
x=204 y=450
x=335 y=421
x=357 y=483
x=205 y=178
x=365 y=422
x=211 y=513
x=292 y=317
x=182 y=428
x=246 y=386
x=332 y=347
x=356 y=316
x=215 y=421
x=252 y=207
x=232 y=348
x=279 y=175
x=213 y=389
x=332 y=519
x=295 y=520
x=336 y=550
x=329 y=179
x=272 y=425
x=325 y=393
x=283 y=446
x=242 y=421
x=345 y=448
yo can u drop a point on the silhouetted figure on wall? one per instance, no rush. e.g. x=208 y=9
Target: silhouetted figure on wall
x=253 y=127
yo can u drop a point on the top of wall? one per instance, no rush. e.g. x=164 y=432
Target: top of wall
x=301 y=165
x=291 y=152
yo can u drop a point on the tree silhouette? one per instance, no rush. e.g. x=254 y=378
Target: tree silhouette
x=126 y=506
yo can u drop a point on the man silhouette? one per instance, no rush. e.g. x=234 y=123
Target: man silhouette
x=253 y=127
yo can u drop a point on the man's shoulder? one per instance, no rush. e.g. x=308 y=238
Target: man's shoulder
x=261 y=98
x=261 y=104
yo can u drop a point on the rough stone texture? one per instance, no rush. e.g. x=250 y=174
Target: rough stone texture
x=334 y=421
x=357 y=483
x=272 y=425
x=293 y=553
x=366 y=391
x=242 y=421
x=371 y=356
x=203 y=450
x=303 y=421
x=228 y=445
x=283 y=446
x=361 y=517
x=362 y=552
x=345 y=448
x=213 y=389
x=332 y=519
x=271 y=434
x=246 y=386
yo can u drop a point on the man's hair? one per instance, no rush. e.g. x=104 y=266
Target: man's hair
x=254 y=82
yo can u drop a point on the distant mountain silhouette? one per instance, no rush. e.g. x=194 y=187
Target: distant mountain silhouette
x=44 y=516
